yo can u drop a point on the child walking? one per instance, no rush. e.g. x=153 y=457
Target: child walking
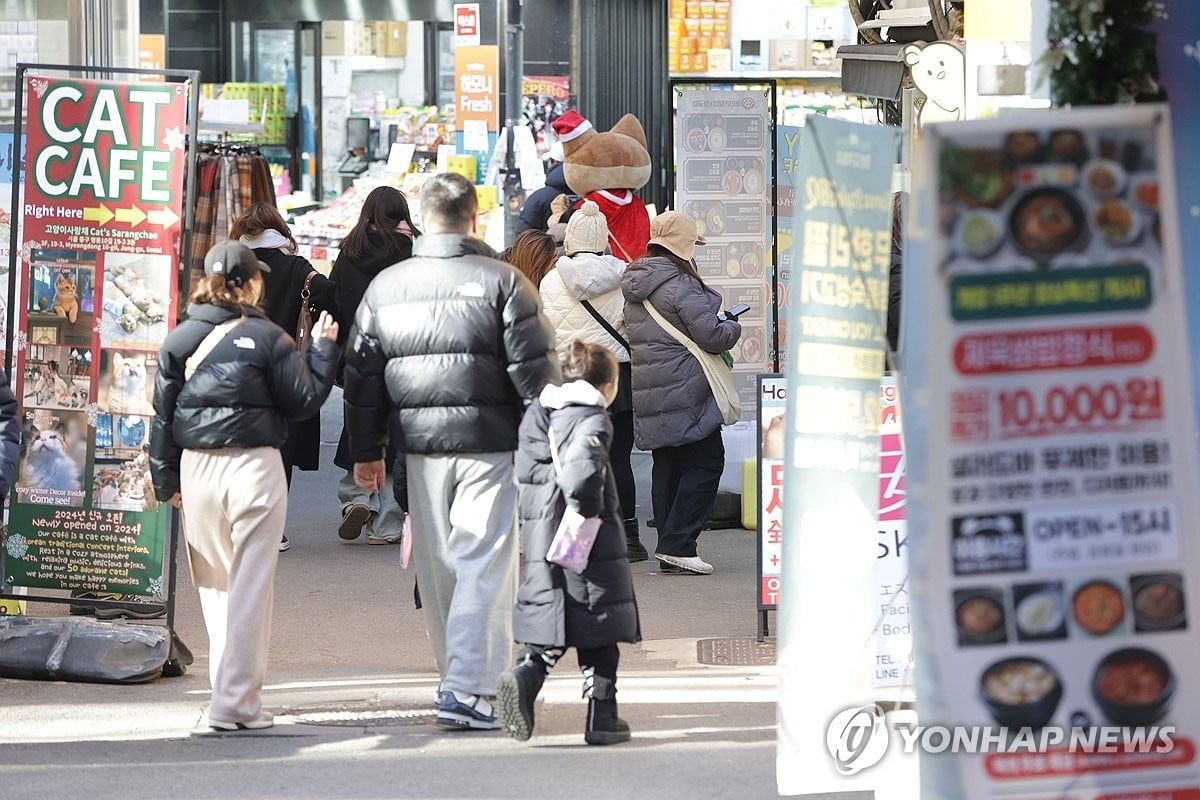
x=557 y=608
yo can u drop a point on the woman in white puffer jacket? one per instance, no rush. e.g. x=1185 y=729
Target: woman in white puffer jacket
x=587 y=274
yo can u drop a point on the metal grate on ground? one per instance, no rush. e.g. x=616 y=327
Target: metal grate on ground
x=355 y=715
x=738 y=652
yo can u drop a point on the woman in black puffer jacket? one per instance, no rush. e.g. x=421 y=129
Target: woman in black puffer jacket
x=383 y=236
x=229 y=380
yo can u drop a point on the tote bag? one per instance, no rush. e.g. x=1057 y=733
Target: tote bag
x=720 y=378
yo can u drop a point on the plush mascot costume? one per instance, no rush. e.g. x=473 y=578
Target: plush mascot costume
x=608 y=168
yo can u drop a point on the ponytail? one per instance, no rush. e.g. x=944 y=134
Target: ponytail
x=589 y=362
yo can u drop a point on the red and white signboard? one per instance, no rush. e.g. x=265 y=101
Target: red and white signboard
x=1059 y=575
x=466 y=24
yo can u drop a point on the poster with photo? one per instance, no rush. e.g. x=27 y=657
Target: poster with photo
x=53 y=455
x=1059 y=469
x=101 y=229
x=127 y=382
x=57 y=377
x=545 y=99
x=121 y=468
x=62 y=297
x=135 y=300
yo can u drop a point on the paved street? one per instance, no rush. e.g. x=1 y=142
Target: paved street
x=352 y=676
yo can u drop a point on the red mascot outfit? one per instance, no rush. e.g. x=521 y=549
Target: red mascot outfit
x=608 y=168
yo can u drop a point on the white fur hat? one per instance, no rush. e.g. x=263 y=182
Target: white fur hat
x=587 y=230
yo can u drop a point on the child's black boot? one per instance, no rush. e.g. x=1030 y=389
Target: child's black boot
x=603 y=724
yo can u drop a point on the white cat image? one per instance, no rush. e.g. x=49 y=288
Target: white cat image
x=47 y=464
x=127 y=392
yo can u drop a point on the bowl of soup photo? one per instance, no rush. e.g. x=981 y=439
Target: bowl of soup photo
x=979 y=617
x=1021 y=692
x=1133 y=686
x=1158 y=602
x=1098 y=607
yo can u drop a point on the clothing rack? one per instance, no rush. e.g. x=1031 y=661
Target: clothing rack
x=231 y=176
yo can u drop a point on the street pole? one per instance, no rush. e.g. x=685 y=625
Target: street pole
x=514 y=64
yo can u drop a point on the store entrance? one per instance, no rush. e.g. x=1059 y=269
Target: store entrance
x=328 y=99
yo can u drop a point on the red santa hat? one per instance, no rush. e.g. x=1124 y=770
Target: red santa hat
x=572 y=130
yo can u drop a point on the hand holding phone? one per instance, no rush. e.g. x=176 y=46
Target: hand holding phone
x=735 y=312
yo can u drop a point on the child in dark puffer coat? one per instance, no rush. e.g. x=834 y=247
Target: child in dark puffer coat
x=557 y=608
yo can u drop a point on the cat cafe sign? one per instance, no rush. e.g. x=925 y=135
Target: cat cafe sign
x=96 y=294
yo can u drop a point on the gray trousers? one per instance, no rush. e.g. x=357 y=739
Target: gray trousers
x=387 y=518
x=463 y=510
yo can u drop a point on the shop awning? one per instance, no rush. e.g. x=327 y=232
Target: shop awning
x=873 y=70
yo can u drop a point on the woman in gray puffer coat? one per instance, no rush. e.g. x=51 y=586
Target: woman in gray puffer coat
x=563 y=471
x=675 y=415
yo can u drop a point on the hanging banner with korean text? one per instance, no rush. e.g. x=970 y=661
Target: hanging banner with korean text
x=841 y=254
x=1059 y=575
x=96 y=292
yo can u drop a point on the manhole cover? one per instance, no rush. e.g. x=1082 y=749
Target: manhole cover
x=354 y=716
x=735 y=652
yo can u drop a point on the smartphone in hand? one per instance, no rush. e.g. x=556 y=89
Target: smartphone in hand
x=735 y=312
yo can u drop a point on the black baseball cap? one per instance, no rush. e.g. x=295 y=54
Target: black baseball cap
x=234 y=260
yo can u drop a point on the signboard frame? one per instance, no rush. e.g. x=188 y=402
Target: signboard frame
x=190 y=79
x=780 y=382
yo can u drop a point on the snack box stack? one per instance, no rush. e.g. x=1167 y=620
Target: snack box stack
x=695 y=28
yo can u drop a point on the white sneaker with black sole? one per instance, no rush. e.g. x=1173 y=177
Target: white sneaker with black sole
x=683 y=564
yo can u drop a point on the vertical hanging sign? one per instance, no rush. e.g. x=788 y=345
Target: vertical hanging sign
x=96 y=297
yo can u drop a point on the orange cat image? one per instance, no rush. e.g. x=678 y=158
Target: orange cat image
x=66 y=303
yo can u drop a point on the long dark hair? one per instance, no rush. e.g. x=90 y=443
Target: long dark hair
x=260 y=217
x=686 y=267
x=383 y=210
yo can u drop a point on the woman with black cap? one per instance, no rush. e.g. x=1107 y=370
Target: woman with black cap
x=228 y=382
x=675 y=415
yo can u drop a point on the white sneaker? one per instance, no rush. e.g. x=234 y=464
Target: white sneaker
x=265 y=719
x=677 y=564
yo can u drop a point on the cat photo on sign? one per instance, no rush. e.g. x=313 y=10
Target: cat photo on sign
x=53 y=454
x=135 y=300
x=127 y=381
x=56 y=377
x=62 y=297
x=121 y=473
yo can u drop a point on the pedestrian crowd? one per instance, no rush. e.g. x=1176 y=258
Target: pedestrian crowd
x=491 y=407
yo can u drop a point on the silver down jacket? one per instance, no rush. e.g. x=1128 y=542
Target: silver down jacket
x=452 y=342
x=672 y=401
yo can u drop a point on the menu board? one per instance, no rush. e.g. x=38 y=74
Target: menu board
x=96 y=268
x=1059 y=581
x=723 y=181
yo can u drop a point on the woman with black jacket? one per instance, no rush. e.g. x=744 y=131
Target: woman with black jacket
x=229 y=381
x=262 y=229
x=382 y=237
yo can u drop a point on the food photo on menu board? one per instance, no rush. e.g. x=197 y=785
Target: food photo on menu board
x=1050 y=199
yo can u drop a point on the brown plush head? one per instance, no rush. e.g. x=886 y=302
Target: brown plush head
x=616 y=159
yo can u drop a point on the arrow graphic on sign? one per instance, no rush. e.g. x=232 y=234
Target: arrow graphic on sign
x=133 y=215
x=100 y=214
x=164 y=217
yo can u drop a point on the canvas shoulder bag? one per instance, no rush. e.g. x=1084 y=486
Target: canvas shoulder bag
x=720 y=377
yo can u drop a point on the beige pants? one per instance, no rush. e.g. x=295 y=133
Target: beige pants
x=235 y=509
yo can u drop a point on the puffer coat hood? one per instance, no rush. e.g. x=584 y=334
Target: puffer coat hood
x=673 y=403
x=590 y=277
x=242 y=394
x=556 y=607
x=453 y=341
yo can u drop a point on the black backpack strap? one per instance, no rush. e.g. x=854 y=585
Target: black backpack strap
x=604 y=324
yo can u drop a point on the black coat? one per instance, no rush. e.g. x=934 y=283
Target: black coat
x=351 y=277
x=281 y=297
x=451 y=343
x=10 y=435
x=242 y=395
x=535 y=214
x=554 y=605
